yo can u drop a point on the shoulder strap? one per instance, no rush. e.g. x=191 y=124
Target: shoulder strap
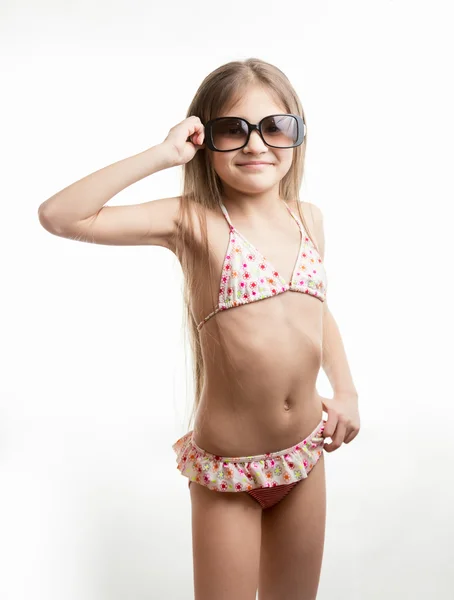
x=300 y=225
x=226 y=214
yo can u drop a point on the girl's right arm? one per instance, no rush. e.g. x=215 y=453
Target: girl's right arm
x=78 y=211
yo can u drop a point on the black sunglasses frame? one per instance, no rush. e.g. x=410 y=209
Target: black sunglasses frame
x=251 y=127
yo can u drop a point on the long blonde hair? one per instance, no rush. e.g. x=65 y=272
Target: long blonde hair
x=202 y=186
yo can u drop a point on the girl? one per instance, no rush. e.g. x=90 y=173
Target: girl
x=252 y=255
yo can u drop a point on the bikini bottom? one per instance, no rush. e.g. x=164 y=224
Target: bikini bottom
x=266 y=477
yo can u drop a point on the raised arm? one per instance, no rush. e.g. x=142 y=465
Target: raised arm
x=78 y=211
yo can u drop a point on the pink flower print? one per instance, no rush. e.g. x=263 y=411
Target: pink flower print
x=303 y=255
x=262 y=266
x=228 y=257
x=302 y=282
x=242 y=284
x=253 y=284
x=273 y=291
x=283 y=289
x=227 y=267
x=262 y=280
x=250 y=257
x=229 y=291
x=228 y=471
x=245 y=296
x=319 y=260
x=224 y=279
x=244 y=265
x=221 y=290
x=246 y=275
x=254 y=293
x=276 y=274
x=314 y=271
x=305 y=463
x=223 y=486
x=238 y=487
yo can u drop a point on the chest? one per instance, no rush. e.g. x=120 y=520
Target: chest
x=274 y=251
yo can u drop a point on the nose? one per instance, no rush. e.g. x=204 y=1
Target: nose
x=255 y=144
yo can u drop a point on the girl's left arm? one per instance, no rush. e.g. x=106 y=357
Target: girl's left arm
x=334 y=359
x=343 y=422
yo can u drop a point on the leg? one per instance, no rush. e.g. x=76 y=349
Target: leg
x=226 y=536
x=293 y=533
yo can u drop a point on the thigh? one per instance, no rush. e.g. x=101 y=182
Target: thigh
x=226 y=537
x=293 y=534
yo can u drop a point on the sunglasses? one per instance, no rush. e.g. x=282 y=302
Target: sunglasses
x=225 y=134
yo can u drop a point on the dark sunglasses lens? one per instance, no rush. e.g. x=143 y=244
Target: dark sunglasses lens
x=229 y=133
x=280 y=130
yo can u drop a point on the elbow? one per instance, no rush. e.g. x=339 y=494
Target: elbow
x=47 y=221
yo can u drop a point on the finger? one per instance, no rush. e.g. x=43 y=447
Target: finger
x=330 y=424
x=194 y=125
x=337 y=437
x=351 y=436
x=197 y=139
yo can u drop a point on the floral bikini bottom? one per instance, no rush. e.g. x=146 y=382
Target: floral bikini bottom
x=266 y=477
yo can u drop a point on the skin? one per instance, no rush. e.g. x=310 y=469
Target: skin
x=263 y=398
x=260 y=393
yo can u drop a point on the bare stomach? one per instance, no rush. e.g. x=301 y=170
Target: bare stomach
x=260 y=376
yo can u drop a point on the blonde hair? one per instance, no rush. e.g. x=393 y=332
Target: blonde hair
x=202 y=186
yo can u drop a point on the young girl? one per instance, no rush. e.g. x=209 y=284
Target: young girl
x=252 y=255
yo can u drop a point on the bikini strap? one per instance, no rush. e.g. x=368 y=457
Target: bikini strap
x=300 y=225
x=226 y=214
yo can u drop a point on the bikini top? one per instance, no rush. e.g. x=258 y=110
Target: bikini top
x=247 y=276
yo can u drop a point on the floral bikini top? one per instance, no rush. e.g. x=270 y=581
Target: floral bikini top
x=247 y=276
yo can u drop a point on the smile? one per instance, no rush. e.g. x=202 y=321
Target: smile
x=257 y=165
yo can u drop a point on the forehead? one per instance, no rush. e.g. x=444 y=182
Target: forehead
x=253 y=104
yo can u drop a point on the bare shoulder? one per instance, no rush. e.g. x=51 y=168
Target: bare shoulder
x=314 y=216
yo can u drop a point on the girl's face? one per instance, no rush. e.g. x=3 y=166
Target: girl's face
x=255 y=104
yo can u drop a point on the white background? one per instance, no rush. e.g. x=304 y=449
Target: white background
x=93 y=386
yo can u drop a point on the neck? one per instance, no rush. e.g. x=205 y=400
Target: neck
x=248 y=205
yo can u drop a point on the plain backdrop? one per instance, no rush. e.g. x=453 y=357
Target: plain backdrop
x=94 y=387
